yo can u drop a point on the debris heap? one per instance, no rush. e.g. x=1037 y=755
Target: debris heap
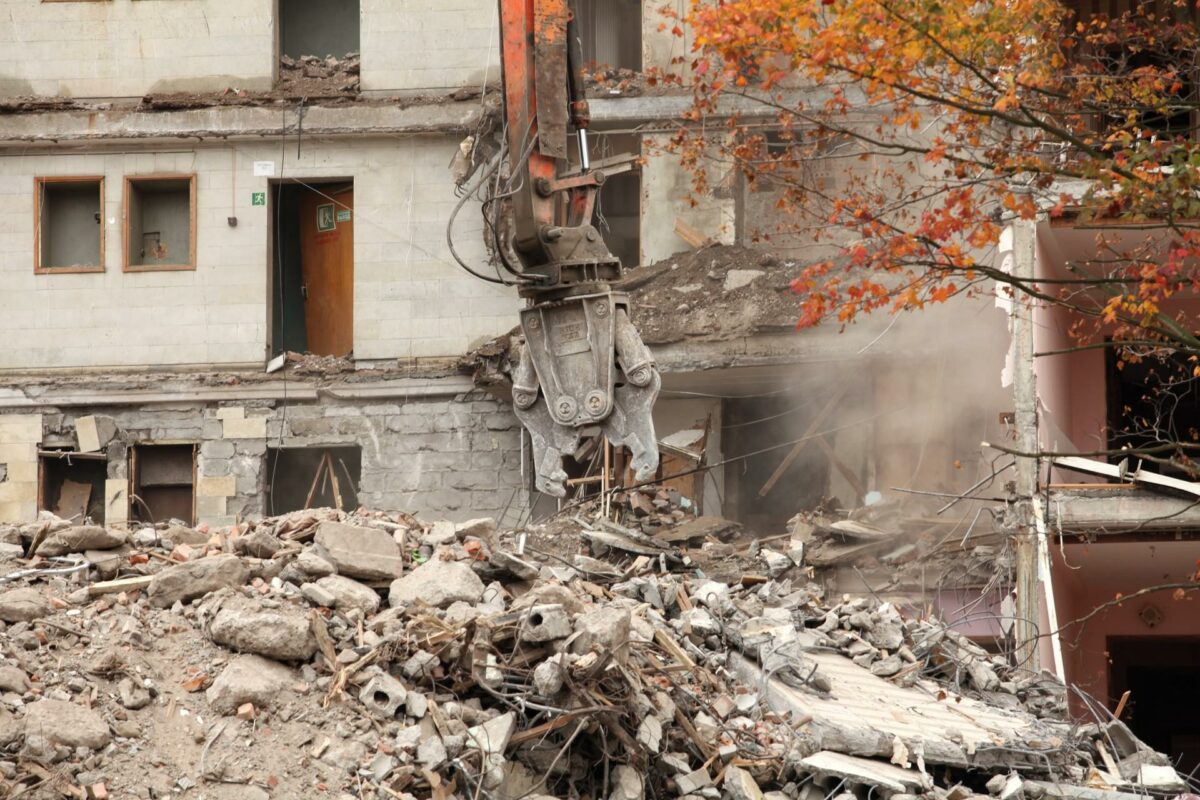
x=373 y=655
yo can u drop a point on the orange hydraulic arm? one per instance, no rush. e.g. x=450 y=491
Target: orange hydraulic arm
x=582 y=365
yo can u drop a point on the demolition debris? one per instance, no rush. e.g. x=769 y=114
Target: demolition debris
x=604 y=655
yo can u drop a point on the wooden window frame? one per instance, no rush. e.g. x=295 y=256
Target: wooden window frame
x=130 y=180
x=38 y=185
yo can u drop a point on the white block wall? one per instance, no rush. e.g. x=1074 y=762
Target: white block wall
x=122 y=48
x=409 y=298
x=430 y=44
x=128 y=48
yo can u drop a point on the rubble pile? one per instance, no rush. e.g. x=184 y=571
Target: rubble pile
x=373 y=655
x=314 y=76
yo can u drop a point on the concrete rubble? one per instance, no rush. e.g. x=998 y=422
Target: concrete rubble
x=640 y=652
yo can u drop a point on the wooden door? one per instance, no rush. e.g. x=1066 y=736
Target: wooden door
x=327 y=264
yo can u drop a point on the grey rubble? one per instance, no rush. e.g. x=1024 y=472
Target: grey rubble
x=485 y=664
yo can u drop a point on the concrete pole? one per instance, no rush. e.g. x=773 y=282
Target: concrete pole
x=1026 y=421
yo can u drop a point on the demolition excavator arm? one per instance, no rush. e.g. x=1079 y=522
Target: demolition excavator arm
x=583 y=369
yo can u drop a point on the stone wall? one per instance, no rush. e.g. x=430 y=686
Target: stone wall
x=438 y=457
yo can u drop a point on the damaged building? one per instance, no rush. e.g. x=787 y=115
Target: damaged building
x=230 y=296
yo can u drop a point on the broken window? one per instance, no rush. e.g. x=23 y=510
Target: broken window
x=71 y=485
x=160 y=223
x=1163 y=707
x=313 y=477
x=611 y=33
x=163 y=477
x=68 y=224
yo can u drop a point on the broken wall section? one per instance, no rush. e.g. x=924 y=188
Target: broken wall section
x=453 y=457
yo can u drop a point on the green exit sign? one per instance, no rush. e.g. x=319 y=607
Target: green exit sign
x=258 y=199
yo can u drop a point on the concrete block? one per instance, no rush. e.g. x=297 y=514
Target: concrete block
x=208 y=508
x=116 y=500
x=21 y=428
x=18 y=492
x=23 y=471
x=251 y=428
x=87 y=438
x=212 y=486
x=230 y=412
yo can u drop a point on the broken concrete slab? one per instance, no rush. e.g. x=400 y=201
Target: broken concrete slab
x=13 y=679
x=367 y=553
x=24 y=605
x=312 y=564
x=740 y=784
x=283 y=633
x=61 y=722
x=545 y=623
x=384 y=696
x=867 y=771
x=79 y=538
x=348 y=593
x=492 y=736
x=605 y=630
x=196 y=578
x=248 y=679
x=437 y=582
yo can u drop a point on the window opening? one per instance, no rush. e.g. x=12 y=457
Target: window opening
x=160 y=223
x=164 y=483
x=69 y=225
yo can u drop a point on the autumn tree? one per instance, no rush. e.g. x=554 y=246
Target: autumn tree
x=951 y=120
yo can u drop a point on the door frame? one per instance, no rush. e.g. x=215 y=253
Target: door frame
x=273 y=186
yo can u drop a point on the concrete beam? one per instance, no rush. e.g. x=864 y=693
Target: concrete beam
x=1120 y=510
x=124 y=124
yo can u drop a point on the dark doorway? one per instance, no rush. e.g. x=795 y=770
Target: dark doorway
x=313 y=275
x=163 y=477
x=1163 y=707
x=313 y=477
x=72 y=485
x=773 y=482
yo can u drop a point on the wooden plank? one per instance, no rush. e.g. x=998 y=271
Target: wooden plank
x=73 y=499
x=120 y=585
x=840 y=466
x=691 y=235
x=698 y=528
x=798 y=448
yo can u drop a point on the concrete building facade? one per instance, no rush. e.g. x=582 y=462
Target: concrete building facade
x=192 y=190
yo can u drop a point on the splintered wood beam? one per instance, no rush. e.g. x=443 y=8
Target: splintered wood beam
x=798 y=448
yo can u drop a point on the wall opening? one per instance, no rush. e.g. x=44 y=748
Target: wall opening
x=68 y=225
x=1153 y=401
x=312 y=287
x=611 y=33
x=163 y=481
x=313 y=477
x=160 y=223
x=71 y=485
x=1163 y=707
x=318 y=28
x=764 y=491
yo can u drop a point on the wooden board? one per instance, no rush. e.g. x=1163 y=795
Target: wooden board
x=73 y=499
x=327 y=264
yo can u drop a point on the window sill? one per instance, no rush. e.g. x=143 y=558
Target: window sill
x=66 y=270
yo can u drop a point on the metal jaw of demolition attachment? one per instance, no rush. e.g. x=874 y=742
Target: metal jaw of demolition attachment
x=584 y=367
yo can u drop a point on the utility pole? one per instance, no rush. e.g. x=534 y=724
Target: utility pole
x=1028 y=608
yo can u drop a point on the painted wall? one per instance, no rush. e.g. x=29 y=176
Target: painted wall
x=127 y=48
x=1087 y=576
x=410 y=299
